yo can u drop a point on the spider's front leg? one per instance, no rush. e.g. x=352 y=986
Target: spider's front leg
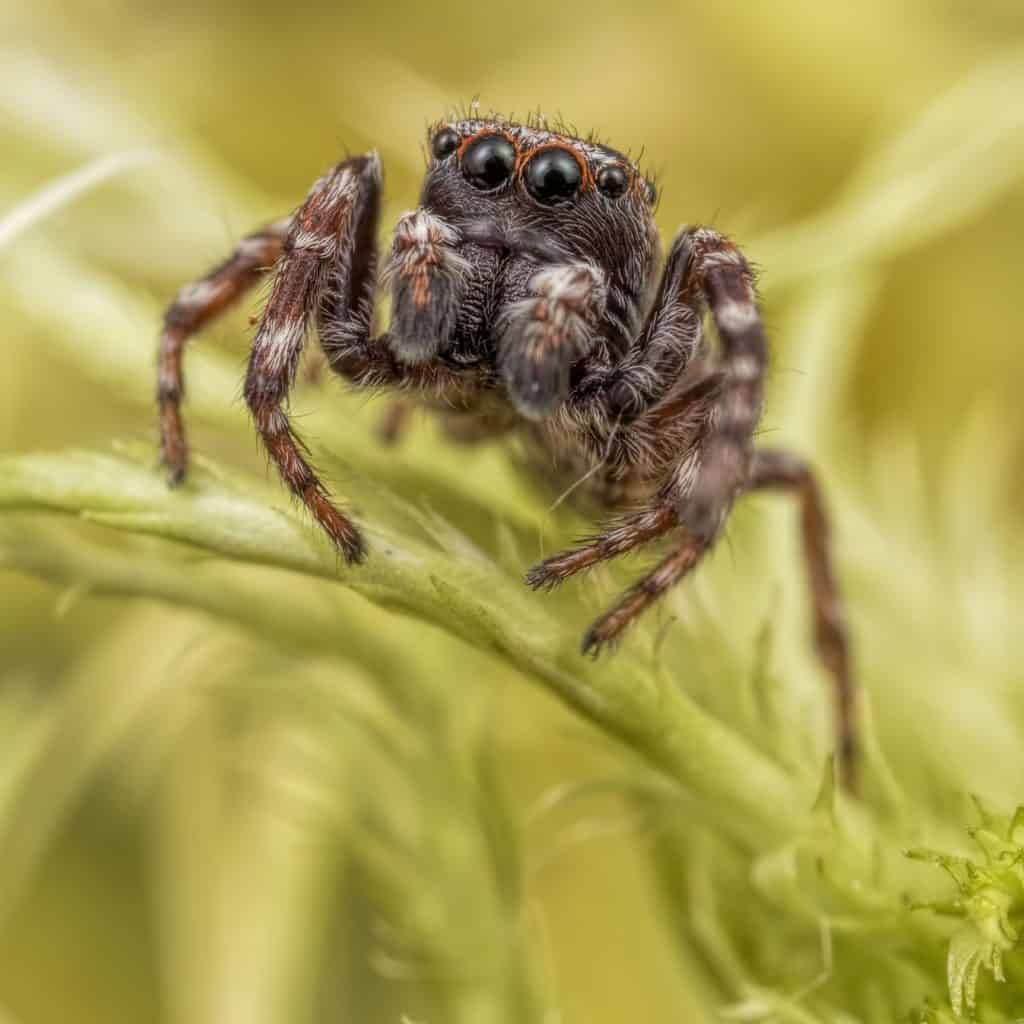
x=327 y=273
x=705 y=270
x=698 y=428
x=673 y=417
x=728 y=282
x=659 y=408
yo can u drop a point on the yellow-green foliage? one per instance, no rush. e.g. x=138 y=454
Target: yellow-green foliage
x=241 y=782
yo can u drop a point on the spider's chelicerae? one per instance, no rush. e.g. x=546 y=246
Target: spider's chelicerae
x=526 y=297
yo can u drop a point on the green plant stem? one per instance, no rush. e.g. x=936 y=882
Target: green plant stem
x=661 y=723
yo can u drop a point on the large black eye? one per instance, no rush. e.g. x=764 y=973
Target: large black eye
x=553 y=176
x=612 y=180
x=489 y=161
x=444 y=143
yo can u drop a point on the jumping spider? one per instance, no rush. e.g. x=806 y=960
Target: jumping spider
x=526 y=297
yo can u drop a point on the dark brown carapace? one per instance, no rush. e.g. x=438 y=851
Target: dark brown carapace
x=526 y=296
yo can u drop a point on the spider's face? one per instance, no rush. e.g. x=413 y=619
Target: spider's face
x=570 y=195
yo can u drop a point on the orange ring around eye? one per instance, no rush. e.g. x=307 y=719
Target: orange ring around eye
x=586 y=175
x=549 y=183
x=488 y=160
x=469 y=139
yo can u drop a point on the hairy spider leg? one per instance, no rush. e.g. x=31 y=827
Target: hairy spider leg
x=671 y=338
x=720 y=271
x=423 y=272
x=639 y=597
x=618 y=537
x=783 y=471
x=196 y=306
x=677 y=428
x=325 y=260
x=705 y=269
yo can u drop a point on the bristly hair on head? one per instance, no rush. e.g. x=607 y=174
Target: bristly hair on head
x=537 y=120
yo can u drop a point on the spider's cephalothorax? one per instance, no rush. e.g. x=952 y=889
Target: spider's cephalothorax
x=526 y=296
x=523 y=200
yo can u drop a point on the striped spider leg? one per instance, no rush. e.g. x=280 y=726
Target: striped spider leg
x=324 y=276
x=525 y=298
x=195 y=307
x=687 y=420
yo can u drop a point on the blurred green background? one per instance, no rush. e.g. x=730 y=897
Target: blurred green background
x=233 y=791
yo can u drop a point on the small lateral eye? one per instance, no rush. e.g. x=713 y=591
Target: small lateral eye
x=444 y=143
x=652 y=191
x=613 y=180
x=489 y=161
x=553 y=176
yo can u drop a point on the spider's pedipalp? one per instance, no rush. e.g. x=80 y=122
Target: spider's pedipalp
x=427 y=278
x=540 y=338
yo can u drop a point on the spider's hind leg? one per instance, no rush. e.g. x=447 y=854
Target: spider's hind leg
x=195 y=306
x=783 y=471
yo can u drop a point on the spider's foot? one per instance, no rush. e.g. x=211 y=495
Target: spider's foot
x=355 y=553
x=175 y=465
x=602 y=634
x=351 y=545
x=345 y=534
x=548 y=574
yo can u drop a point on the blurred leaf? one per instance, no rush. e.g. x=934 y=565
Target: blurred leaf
x=64 y=190
x=659 y=721
x=958 y=156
